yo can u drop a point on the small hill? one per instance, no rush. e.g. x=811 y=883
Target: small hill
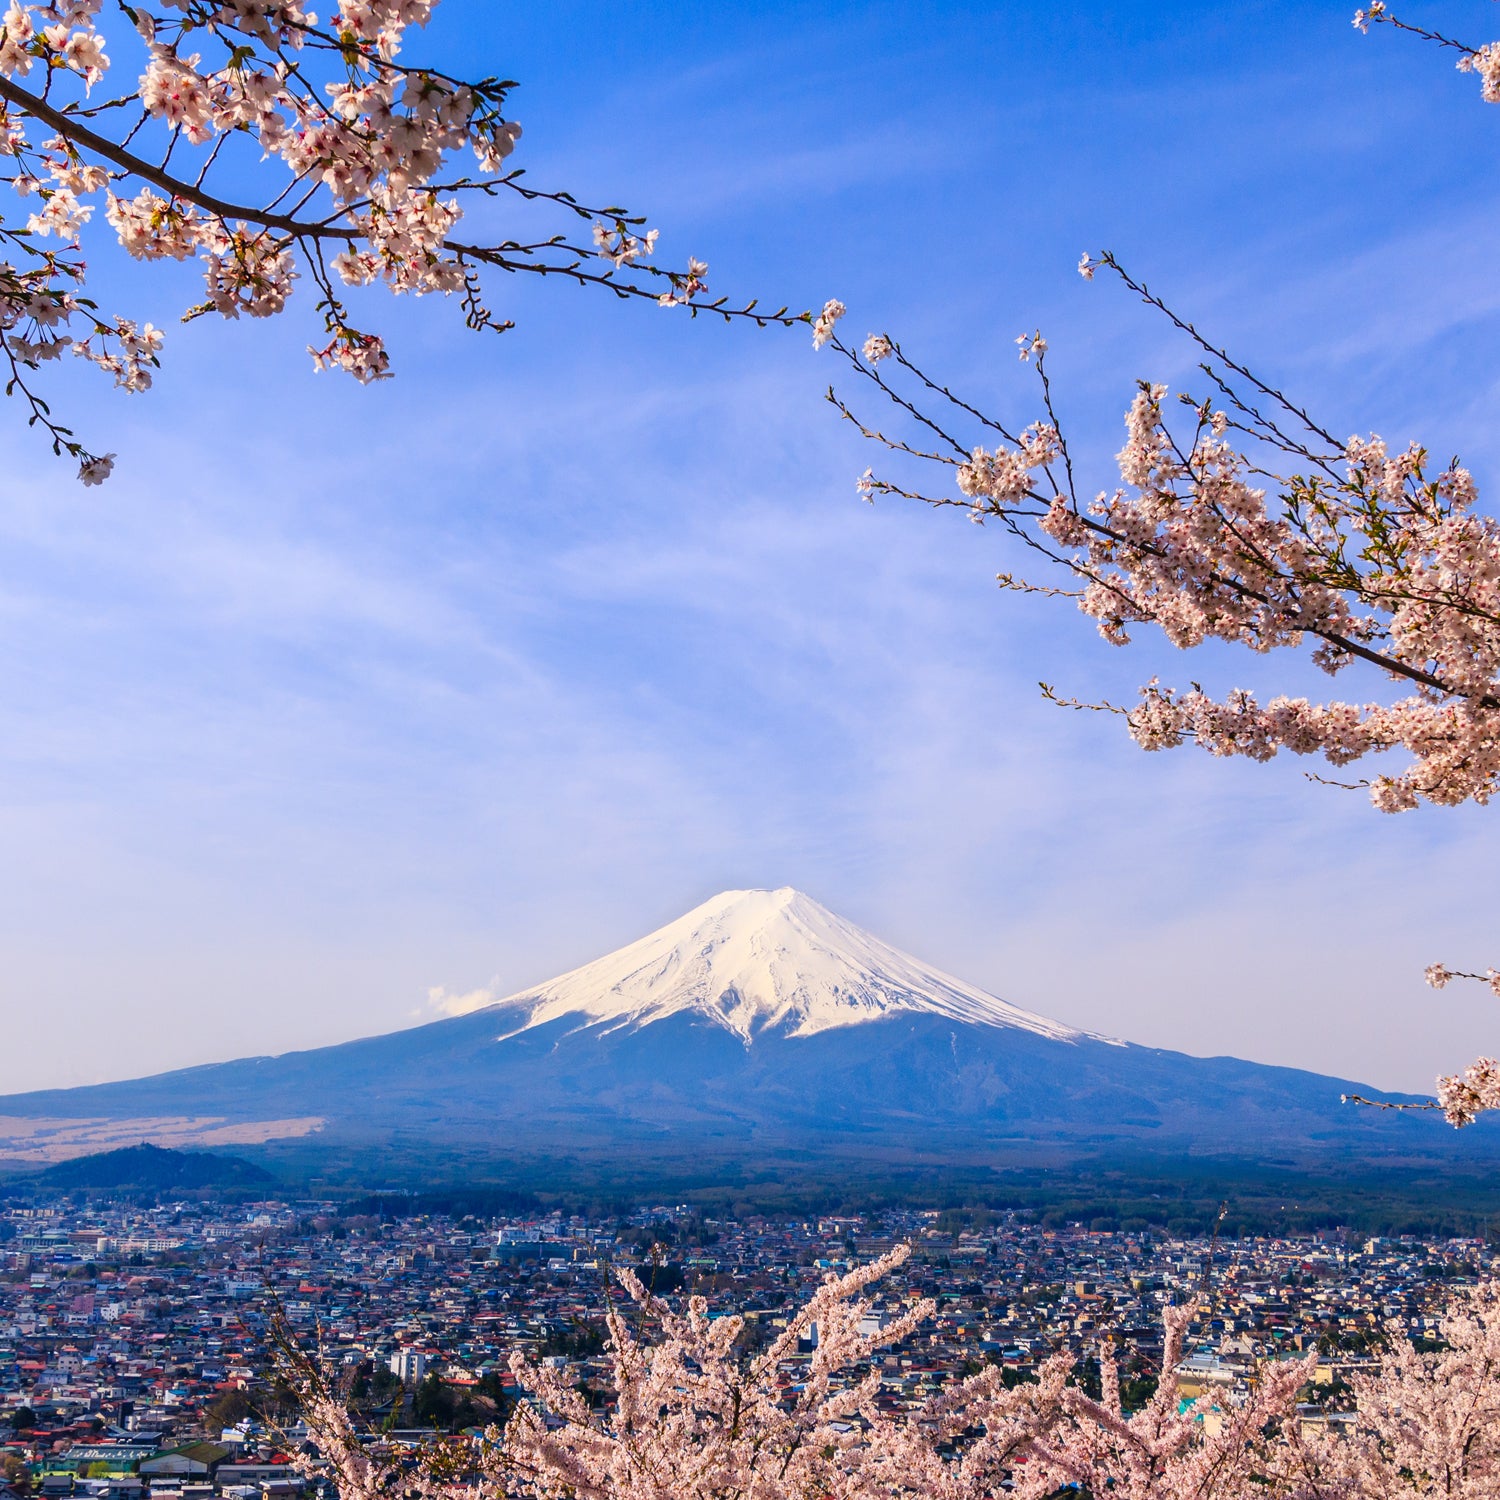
x=148 y=1166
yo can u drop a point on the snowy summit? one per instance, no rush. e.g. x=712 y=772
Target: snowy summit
x=758 y=960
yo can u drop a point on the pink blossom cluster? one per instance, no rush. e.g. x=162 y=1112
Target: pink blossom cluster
x=1463 y=1097
x=685 y=287
x=373 y=139
x=129 y=354
x=1004 y=476
x=696 y=1418
x=823 y=328
x=1382 y=561
x=1485 y=61
x=1261 y=529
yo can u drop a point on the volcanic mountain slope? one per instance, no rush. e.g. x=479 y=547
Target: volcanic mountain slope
x=760 y=1019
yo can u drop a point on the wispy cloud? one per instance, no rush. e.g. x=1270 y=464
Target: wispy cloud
x=444 y=1003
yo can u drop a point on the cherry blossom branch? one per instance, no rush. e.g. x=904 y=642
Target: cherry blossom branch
x=1425 y=1104
x=1437 y=975
x=1484 y=60
x=1261 y=579
x=1183 y=325
x=67 y=124
x=1379 y=15
x=503 y=256
x=1259 y=529
x=1394 y=666
x=356 y=142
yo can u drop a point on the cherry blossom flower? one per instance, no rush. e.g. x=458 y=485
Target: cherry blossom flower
x=833 y=310
x=1031 y=345
x=1485 y=61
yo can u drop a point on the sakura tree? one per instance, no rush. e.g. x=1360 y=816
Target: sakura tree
x=692 y=1415
x=1246 y=520
x=271 y=146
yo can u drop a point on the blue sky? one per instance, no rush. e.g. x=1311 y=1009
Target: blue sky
x=334 y=696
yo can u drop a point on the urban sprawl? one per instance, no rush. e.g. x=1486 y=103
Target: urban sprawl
x=135 y=1344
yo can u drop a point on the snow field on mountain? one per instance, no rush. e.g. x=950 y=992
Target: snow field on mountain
x=758 y=960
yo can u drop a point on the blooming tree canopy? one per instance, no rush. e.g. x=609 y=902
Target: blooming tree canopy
x=1247 y=521
x=694 y=1416
x=269 y=145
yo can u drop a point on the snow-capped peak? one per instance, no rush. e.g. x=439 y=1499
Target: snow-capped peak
x=756 y=959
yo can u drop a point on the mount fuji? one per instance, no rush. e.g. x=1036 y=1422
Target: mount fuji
x=759 y=1023
x=765 y=961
